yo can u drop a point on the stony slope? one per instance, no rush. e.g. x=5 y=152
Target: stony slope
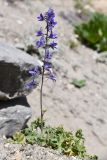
x=74 y=108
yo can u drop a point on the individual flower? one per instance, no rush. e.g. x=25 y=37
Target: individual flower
x=50 y=14
x=52 y=77
x=47 y=66
x=48 y=55
x=35 y=71
x=53 y=45
x=52 y=36
x=41 y=42
x=31 y=85
x=51 y=24
x=39 y=33
x=41 y=17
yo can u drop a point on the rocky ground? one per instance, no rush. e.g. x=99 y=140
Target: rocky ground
x=100 y=5
x=29 y=152
x=74 y=108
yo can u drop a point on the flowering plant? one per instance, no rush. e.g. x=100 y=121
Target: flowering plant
x=53 y=137
x=47 y=42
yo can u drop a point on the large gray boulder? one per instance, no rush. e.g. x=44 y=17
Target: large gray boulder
x=13 y=71
x=14 y=115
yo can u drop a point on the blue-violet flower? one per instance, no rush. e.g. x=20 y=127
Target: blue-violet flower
x=45 y=42
x=39 y=33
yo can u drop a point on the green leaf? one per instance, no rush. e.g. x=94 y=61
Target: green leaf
x=19 y=138
x=79 y=83
x=94 y=32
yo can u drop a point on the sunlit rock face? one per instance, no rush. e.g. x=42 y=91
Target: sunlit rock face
x=14 y=65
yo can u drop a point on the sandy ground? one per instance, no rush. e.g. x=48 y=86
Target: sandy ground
x=100 y=5
x=75 y=108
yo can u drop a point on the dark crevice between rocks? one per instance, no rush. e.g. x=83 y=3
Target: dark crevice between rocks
x=13 y=102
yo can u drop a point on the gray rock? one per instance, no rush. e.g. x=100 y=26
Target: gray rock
x=13 y=71
x=14 y=115
x=102 y=58
x=74 y=18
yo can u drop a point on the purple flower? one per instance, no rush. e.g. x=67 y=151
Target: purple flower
x=35 y=71
x=50 y=14
x=41 y=42
x=51 y=24
x=46 y=42
x=53 y=45
x=39 y=33
x=52 y=77
x=48 y=55
x=52 y=35
x=47 y=66
x=31 y=85
x=41 y=17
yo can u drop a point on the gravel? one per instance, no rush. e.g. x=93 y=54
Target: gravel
x=28 y=152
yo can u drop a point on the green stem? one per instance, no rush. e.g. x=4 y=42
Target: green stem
x=41 y=99
x=41 y=90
